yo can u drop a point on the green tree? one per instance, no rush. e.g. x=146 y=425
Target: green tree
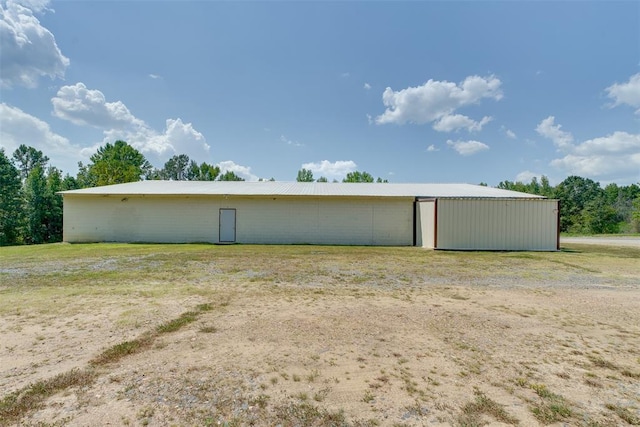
x=35 y=196
x=230 y=176
x=10 y=201
x=574 y=193
x=114 y=164
x=358 y=176
x=53 y=203
x=635 y=214
x=176 y=168
x=520 y=186
x=69 y=183
x=84 y=179
x=43 y=207
x=322 y=179
x=599 y=217
x=304 y=175
x=621 y=198
x=202 y=172
x=155 y=174
x=546 y=190
x=26 y=158
x=541 y=188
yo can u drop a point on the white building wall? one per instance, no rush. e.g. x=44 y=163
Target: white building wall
x=349 y=221
x=498 y=224
x=139 y=219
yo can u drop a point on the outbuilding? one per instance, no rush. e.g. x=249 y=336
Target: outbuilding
x=438 y=216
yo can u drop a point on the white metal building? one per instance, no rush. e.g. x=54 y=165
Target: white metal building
x=439 y=216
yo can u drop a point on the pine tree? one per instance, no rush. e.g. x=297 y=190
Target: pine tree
x=10 y=202
x=35 y=189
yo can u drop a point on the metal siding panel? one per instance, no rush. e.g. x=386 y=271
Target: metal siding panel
x=501 y=224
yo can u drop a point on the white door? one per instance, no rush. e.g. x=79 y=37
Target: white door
x=227 y=225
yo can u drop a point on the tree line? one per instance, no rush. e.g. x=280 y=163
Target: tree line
x=305 y=175
x=586 y=207
x=31 y=208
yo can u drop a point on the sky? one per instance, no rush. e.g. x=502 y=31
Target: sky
x=415 y=91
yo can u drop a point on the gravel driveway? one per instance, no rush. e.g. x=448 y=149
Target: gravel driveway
x=608 y=241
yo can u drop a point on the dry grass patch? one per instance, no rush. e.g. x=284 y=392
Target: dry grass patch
x=19 y=403
x=118 y=351
x=31 y=398
x=625 y=414
x=472 y=413
x=550 y=407
x=319 y=335
x=307 y=414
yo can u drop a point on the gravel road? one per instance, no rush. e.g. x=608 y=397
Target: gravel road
x=608 y=241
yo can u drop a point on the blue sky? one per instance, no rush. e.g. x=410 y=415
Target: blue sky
x=408 y=91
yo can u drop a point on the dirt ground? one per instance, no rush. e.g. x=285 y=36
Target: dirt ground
x=331 y=339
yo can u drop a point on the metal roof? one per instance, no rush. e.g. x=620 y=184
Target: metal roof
x=274 y=188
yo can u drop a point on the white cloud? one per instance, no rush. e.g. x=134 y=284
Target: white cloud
x=527 y=176
x=626 y=93
x=345 y=75
x=436 y=99
x=510 y=134
x=89 y=107
x=617 y=143
x=18 y=127
x=367 y=86
x=29 y=50
x=82 y=106
x=241 y=171
x=369 y=119
x=155 y=76
x=615 y=155
x=176 y=138
x=549 y=129
x=290 y=141
x=329 y=169
x=432 y=148
x=455 y=122
x=467 y=148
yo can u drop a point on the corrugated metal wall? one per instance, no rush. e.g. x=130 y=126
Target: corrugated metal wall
x=497 y=224
x=362 y=221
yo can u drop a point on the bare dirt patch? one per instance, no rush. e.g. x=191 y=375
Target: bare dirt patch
x=324 y=336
